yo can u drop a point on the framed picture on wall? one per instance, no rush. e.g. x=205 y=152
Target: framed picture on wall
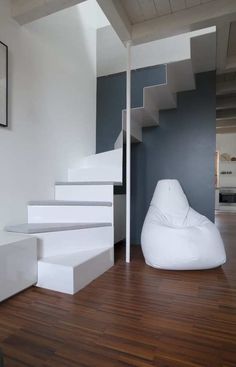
x=3 y=85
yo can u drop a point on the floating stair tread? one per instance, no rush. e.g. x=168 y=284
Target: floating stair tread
x=33 y=228
x=69 y=203
x=141 y=116
x=75 y=259
x=159 y=97
x=94 y=183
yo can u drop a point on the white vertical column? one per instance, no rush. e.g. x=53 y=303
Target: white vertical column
x=128 y=150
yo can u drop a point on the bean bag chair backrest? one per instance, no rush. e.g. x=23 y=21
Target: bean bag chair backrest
x=170 y=201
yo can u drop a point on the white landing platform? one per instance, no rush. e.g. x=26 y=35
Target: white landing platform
x=72 y=272
x=18 y=263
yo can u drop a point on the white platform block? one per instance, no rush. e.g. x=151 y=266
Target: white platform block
x=70 y=273
x=68 y=242
x=70 y=213
x=18 y=263
x=88 y=192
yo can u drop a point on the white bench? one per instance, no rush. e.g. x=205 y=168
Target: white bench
x=18 y=263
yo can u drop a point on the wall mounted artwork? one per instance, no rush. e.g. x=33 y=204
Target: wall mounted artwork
x=3 y=85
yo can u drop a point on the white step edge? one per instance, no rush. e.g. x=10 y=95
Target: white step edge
x=33 y=228
x=71 y=273
x=69 y=203
x=94 y=183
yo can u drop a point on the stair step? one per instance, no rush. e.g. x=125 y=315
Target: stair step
x=94 y=183
x=134 y=140
x=140 y=117
x=33 y=228
x=74 y=259
x=70 y=273
x=180 y=76
x=69 y=203
x=82 y=192
x=104 y=167
x=158 y=97
x=96 y=174
x=64 y=211
x=54 y=239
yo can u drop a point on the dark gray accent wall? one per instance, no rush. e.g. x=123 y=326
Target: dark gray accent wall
x=111 y=100
x=182 y=147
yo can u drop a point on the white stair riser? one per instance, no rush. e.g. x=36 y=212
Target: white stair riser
x=70 y=214
x=105 y=166
x=84 y=192
x=159 y=98
x=180 y=76
x=67 y=242
x=105 y=174
x=71 y=279
x=109 y=158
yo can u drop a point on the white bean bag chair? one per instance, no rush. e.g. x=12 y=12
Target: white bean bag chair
x=176 y=237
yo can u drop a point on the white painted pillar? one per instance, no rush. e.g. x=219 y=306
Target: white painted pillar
x=128 y=150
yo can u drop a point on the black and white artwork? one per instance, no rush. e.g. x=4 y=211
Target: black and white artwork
x=3 y=84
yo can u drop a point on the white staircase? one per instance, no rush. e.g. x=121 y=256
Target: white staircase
x=76 y=230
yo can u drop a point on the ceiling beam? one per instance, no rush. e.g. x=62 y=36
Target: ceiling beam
x=226 y=126
x=118 y=18
x=226 y=114
x=226 y=87
x=225 y=130
x=26 y=11
x=222 y=46
x=208 y=14
x=226 y=123
x=224 y=102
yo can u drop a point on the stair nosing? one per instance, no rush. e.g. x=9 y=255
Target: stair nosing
x=69 y=203
x=53 y=227
x=92 y=183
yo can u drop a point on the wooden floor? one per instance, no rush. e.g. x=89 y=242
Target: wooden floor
x=131 y=316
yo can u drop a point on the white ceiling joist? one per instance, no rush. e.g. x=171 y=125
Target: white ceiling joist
x=117 y=16
x=26 y=11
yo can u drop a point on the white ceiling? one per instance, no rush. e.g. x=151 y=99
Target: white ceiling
x=141 y=10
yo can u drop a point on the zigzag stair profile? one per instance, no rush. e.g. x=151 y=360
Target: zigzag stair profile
x=75 y=231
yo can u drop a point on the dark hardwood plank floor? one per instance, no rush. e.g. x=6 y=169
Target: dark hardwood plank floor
x=133 y=315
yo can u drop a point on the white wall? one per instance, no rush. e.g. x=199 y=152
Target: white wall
x=226 y=143
x=52 y=106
